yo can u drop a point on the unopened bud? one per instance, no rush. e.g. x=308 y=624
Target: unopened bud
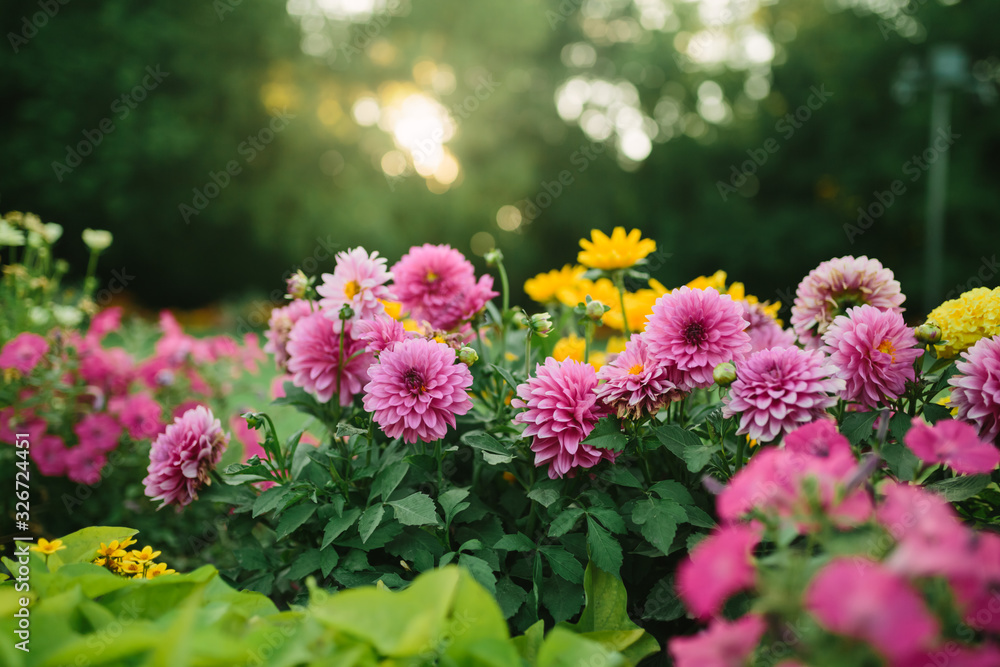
x=97 y=239
x=254 y=420
x=928 y=333
x=298 y=285
x=346 y=312
x=724 y=374
x=520 y=319
x=493 y=257
x=541 y=324
x=468 y=356
x=595 y=310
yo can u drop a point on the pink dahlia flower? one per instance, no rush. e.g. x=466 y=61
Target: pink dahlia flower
x=695 y=330
x=110 y=369
x=381 y=333
x=84 y=465
x=976 y=586
x=417 y=389
x=953 y=443
x=98 y=432
x=560 y=410
x=280 y=326
x=861 y=599
x=719 y=566
x=436 y=284
x=634 y=383
x=105 y=322
x=779 y=389
x=837 y=285
x=359 y=281
x=48 y=452
x=976 y=391
x=23 y=352
x=140 y=414
x=314 y=359
x=183 y=455
x=874 y=352
x=722 y=644
x=820 y=439
x=764 y=331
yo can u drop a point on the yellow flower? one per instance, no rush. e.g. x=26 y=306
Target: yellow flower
x=131 y=567
x=638 y=305
x=46 y=547
x=571 y=347
x=602 y=290
x=112 y=550
x=716 y=280
x=963 y=321
x=619 y=251
x=158 y=569
x=616 y=345
x=147 y=554
x=546 y=287
x=126 y=543
x=392 y=308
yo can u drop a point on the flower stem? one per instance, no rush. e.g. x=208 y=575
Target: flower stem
x=620 y=284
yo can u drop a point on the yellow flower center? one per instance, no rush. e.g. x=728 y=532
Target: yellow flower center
x=431 y=276
x=636 y=369
x=886 y=347
x=351 y=289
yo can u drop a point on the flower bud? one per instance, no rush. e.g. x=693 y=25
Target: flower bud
x=97 y=239
x=468 y=356
x=493 y=257
x=541 y=324
x=52 y=232
x=928 y=333
x=520 y=319
x=254 y=420
x=595 y=310
x=724 y=374
x=346 y=312
x=298 y=285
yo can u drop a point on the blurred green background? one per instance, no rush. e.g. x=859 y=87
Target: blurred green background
x=227 y=142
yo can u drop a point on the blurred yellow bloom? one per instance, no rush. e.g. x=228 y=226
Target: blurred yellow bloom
x=158 y=569
x=963 y=321
x=127 y=542
x=616 y=345
x=392 y=308
x=570 y=347
x=46 y=547
x=147 y=554
x=638 y=305
x=716 y=280
x=602 y=290
x=618 y=251
x=546 y=287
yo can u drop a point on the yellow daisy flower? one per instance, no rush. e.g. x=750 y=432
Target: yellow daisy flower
x=602 y=290
x=46 y=547
x=618 y=251
x=963 y=321
x=546 y=287
x=147 y=554
x=570 y=347
x=112 y=550
x=157 y=570
x=716 y=280
x=131 y=567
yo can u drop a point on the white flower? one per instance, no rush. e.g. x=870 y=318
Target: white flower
x=52 y=232
x=9 y=235
x=67 y=316
x=97 y=239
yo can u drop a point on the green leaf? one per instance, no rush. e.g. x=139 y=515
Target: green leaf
x=563 y=564
x=294 y=518
x=563 y=648
x=480 y=571
x=387 y=480
x=663 y=603
x=699 y=517
x=563 y=523
x=507 y=377
x=934 y=413
x=562 y=599
x=611 y=519
x=607 y=434
x=328 y=559
x=518 y=542
x=451 y=503
x=305 y=564
x=903 y=463
x=686 y=446
x=488 y=445
x=604 y=549
x=619 y=475
x=510 y=596
x=346 y=430
x=338 y=524
x=657 y=520
x=857 y=426
x=671 y=490
x=415 y=510
x=82 y=545
x=270 y=499
x=544 y=496
x=961 y=488
x=370 y=520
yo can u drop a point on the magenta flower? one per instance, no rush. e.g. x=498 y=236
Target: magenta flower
x=183 y=455
x=84 y=465
x=719 y=566
x=98 y=432
x=110 y=369
x=416 y=390
x=560 y=410
x=722 y=644
x=837 y=285
x=280 y=326
x=764 y=331
x=140 y=414
x=820 y=439
x=48 y=453
x=634 y=383
x=975 y=586
x=861 y=599
x=436 y=284
x=874 y=352
x=315 y=363
x=976 y=391
x=105 y=322
x=23 y=352
x=953 y=443
x=359 y=281
x=23 y=422
x=694 y=330
x=381 y=333
x=779 y=389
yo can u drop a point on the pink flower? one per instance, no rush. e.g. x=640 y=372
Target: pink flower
x=357 y=281
x=110 y=369
x=140 y=414
x=723 y=644
x=280 y=326
x=861 y=599
x=779 y=389
x=874 y=352
x=719 y=566
x=48 y=452
x=84 y=465
x=820 y=439
x=694 y=330
x=23 y=422
x=560 y=410
x=182 y=456
x=975 y=586
x=953 y=443
x=417 y=389
x=380 y=333
x=98 y=432
x=105 y=322
x=314 y=359
x=23 y=352
x=634 y=383
x=976 y=390
x=436 y=284
x=764 y=331
x=836 y=285
x=251 y=354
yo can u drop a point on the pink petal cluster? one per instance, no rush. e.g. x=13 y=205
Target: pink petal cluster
x=49 y=454
x=140 y=414
x=722 y=644
x=764 y=331
x=417 y=389
x=436 y=284
x=315 y=362
x=976 y=391
x=98 y=432
x=836 y=285
x=779 y=389
x=279 y=326
x=182 y=457
x=694 y=330
x=561 y=408
x=874 y=352
x=381 y=333
x=720 y=565
x=105 y=322
x=861 y=599
x=634 y=384
x=954 y=444
x=23 y=352
x=359 y=281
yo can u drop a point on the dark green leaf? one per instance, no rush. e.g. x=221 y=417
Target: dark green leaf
x=338 y=524
x=604 y=549
x=657 y=520
x=487 y=444
x=961 y=488
x=270 y=499
x=451 y=503
x=611 y=519
x=671 y=490
x=328 y=559
x=346 y=430
x=562 y=599
x=565 y=521
x=902 y=461
x=480 y=570
x=857 y=426
x=294 y=518
x=306 y=563
x=663 y=603
x=370 y=520
x=387 y=480
x=621 y=476
x=510 y=596
x=507 y=377
x=415 y=510
x=686 y=445
x=544 y=496
x=607 y=434
x=563 y=564
x=518 y=542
